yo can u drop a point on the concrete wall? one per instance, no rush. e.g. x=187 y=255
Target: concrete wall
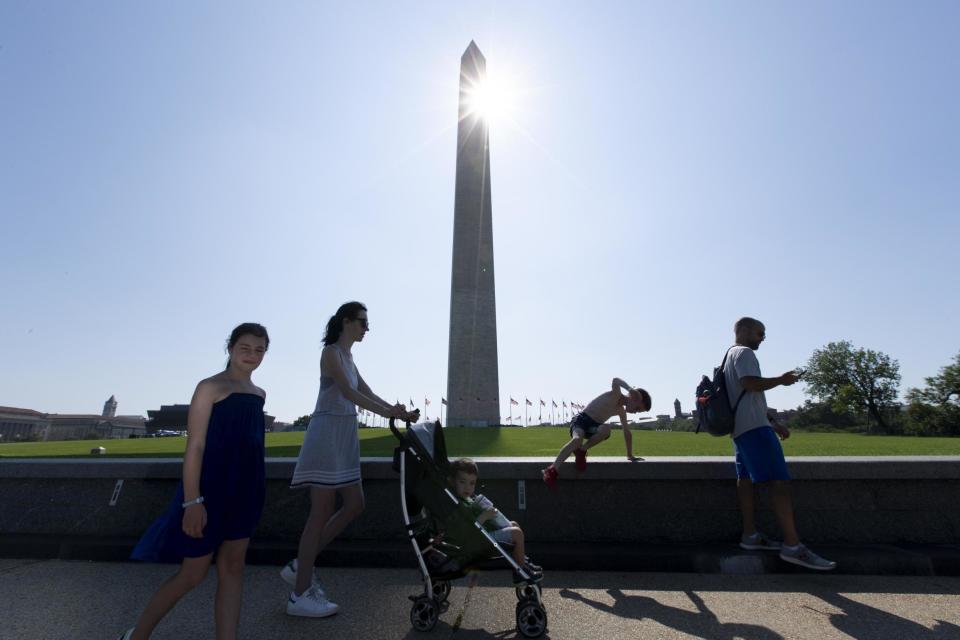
x=660 y=501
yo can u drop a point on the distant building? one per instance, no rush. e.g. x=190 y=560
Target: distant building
x=83 y=426
x=676 y=409
x=21 y=425
x=110 y=407
x=169 y=417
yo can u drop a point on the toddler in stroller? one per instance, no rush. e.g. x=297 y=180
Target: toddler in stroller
x=446 y=537
x=463 y=479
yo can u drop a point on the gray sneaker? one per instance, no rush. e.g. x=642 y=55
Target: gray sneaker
x=759 y=542
x=806 y=558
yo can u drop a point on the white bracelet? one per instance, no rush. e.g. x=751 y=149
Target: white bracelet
x=196 y=500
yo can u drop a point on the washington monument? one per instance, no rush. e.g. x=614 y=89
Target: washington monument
x=472 y=378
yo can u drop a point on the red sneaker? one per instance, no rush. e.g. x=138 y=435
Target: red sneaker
x=581 y=456
x=550 y=477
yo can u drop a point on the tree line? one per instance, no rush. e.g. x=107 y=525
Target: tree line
x=859 y=389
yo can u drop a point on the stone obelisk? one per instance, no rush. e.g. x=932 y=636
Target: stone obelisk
x=473 y=397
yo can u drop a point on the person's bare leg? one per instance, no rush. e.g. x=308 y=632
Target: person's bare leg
x=783 y=508
x=602 y=434
x=322 y=502
x=192 y=572
x=746 y=496
x=519 y=554
x=231 y=559
x=567 y=449
x=353 y=505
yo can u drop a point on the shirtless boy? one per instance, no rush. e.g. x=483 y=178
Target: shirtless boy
x=588 y=425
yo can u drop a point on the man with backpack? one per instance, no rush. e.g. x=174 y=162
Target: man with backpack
x=759 y=456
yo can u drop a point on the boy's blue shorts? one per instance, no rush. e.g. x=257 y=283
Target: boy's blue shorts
x=759 y=456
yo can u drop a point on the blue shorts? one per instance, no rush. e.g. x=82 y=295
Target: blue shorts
x=759 y=456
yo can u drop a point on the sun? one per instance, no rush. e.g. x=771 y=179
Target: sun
x=491 y=98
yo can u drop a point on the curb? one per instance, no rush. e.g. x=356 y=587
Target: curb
x=725 y=559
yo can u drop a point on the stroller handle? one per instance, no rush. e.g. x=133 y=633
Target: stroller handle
x=394 y=430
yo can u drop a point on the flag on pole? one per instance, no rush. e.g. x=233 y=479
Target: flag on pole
x=529 y=404
x=443 y=400
x=564 y=404
x=554 y=403
x=542 y=403
x=411 y=403
x=426 y=401
x=514 y=402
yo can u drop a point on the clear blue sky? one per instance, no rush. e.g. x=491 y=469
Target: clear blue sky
x=168 y=170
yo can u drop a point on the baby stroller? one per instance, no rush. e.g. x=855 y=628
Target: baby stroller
x=445 y=536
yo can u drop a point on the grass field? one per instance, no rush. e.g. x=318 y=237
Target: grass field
x=522 y=442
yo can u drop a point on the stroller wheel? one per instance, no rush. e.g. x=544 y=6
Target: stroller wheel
x=531 y=619
x=423 y=614
x=528 y=592
x=441 y=590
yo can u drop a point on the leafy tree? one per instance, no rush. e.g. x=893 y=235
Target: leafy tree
x=854 y=379
x=942 y=389
x=302 y=421
x=935 y=409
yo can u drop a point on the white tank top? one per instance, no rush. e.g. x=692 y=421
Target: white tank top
x=331 y=400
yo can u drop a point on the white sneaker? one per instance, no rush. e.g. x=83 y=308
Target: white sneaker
x=126 y=635
x=289 y=575
x=310 y=604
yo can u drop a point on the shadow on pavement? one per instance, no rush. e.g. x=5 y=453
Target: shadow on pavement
x=864 y=622
x=702 y=623
x=795 y=582
x=445 y=630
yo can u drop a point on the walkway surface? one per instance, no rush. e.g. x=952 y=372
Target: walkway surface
x=55 y=599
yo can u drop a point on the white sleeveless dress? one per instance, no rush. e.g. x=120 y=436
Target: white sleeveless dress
x=330 y=456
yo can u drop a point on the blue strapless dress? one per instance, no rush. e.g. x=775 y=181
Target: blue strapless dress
x=232 y=483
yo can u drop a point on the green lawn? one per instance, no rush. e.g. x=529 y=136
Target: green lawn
x=523 y=442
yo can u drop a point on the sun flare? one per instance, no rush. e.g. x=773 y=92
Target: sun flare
x=491 y=98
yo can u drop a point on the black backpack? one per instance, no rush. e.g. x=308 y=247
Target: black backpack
x=714 y=412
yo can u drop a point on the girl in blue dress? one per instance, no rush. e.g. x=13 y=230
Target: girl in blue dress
x=220 y=499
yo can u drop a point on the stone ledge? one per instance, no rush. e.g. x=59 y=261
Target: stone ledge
x=600 y=469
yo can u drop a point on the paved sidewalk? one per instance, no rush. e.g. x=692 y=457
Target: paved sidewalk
x=54 y=599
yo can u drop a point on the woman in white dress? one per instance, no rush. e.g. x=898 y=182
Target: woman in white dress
x=329 y=461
